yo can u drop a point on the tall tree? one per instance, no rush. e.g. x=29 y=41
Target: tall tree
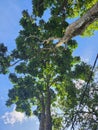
x=45 y=75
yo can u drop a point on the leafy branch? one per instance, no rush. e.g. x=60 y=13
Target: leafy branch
x=79 y=26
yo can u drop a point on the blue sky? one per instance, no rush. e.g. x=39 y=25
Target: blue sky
x=10 y=11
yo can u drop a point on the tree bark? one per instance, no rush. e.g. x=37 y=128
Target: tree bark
x=42 y=117
x=48 y=124
x=42 y=121
x=80 y=25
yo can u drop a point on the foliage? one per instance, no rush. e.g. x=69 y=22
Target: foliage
x=4 y=59
x=46 y=72
x=67 y=9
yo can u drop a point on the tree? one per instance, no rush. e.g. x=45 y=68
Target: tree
x=44 y=74
x=87 y=116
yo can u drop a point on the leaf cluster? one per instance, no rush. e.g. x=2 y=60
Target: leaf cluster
x=4 y=59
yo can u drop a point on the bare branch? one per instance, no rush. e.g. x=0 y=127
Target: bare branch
x=50 y=39
x=79 y=26
x=33 y=36
x=43 y=41
x=15 y=62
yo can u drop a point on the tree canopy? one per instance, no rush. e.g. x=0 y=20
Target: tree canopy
x=49 y=77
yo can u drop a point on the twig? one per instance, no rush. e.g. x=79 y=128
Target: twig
x=43 y=41
x=15 y=62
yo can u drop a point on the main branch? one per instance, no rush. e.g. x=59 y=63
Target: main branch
x=78 y=27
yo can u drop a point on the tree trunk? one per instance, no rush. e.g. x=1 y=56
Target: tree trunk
x=48 y=124
x=42 y=122
x=42 y=116
x=79 y=26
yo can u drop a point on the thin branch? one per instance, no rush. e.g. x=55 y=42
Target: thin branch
x=33 y=36
x=50 y=39
x=43 y=41
x=15 y=62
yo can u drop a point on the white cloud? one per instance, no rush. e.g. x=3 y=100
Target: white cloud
x=13 y=117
